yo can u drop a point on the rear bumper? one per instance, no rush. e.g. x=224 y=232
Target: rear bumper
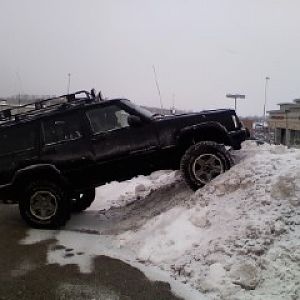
x=237 y=137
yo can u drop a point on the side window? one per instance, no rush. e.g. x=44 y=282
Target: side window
x=62 y=128
x=17 y=138
x=107 y=118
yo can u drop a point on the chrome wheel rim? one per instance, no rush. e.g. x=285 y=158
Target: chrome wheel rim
x=43 y=205
x=206 y=167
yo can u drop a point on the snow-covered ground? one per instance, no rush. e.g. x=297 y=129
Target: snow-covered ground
x=116 y=194
x=236 y=238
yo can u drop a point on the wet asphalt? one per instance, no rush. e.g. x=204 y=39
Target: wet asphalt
x=25 y=273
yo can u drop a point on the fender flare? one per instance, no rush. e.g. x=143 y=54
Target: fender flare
x=193 y=133
x=36 y=171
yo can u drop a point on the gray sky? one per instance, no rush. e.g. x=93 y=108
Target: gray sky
x=202 y=49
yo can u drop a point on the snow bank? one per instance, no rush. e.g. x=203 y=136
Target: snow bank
x=234 y=238
x=116 y=194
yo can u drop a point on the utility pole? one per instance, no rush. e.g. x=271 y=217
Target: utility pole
x=69 y=83
x=20 y=88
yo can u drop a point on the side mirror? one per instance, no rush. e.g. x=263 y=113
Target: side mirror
x=134 y=121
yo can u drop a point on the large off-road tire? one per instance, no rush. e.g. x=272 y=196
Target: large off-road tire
x=83 y=200
x=203 y=162
x=44 y=204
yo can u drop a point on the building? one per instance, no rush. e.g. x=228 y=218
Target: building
x=285 y=123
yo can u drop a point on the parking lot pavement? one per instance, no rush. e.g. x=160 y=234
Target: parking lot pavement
x=25 y=274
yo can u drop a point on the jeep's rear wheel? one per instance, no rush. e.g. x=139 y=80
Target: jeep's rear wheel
x=44 y=205
x=83 y=200
x=203 y=162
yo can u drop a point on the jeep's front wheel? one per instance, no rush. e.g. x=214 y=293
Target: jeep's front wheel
x=83 y=200
x=203 y=162
x=44 y=205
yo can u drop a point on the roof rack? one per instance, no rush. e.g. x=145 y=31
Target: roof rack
x=20 y=112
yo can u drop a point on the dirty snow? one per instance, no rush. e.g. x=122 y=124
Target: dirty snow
x=236 y=238
x=116 y=194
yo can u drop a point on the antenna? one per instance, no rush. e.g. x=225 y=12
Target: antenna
x=157 y=86
x=69 y=83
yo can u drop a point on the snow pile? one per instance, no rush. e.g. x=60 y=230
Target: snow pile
x=233 y=238
x=116 y=194
x=236 y=238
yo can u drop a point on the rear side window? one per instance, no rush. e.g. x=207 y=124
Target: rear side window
x=62 y=128
x=17 y=138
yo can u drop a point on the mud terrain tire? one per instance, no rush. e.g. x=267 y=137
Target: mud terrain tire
x=203 y=162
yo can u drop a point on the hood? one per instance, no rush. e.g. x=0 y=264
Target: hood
x=223 y=117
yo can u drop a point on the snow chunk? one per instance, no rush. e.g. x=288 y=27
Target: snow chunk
x=245 y=274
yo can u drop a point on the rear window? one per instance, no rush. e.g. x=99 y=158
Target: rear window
x=17 y=138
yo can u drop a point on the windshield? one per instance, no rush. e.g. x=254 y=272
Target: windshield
x=143 y=111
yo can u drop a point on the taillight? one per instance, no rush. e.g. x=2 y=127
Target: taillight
x=235 y=121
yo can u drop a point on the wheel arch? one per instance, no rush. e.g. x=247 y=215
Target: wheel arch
x=37 y=172
x=208 y=131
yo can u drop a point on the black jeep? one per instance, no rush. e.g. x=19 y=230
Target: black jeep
x=54 y=152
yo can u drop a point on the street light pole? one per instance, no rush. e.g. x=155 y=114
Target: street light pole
x=265 y=104
x=266 y=132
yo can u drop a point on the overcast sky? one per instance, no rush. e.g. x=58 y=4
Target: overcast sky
x=201 y=49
